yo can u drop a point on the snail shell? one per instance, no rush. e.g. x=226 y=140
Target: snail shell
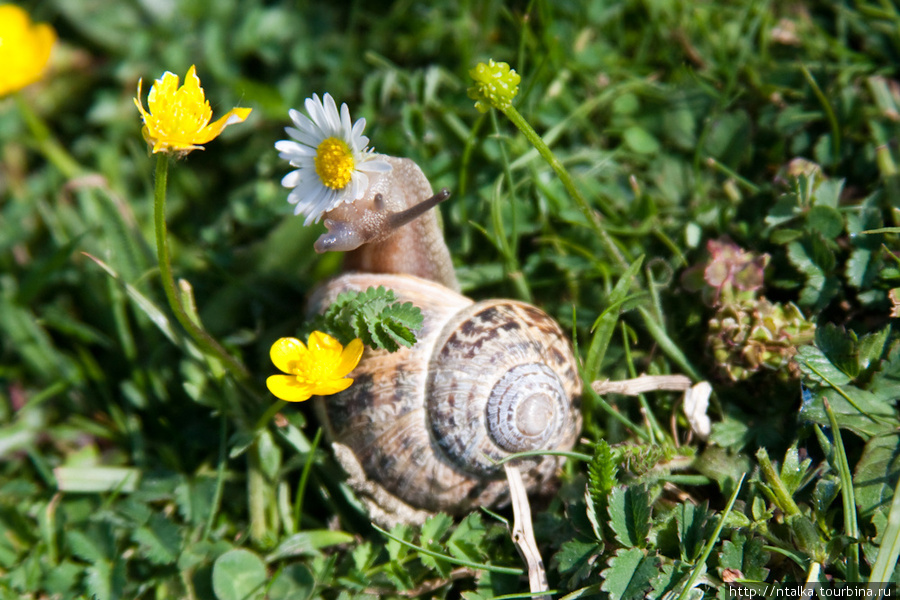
x=420 y=430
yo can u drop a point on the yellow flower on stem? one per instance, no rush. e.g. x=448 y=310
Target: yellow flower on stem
x=24 y=48
x=178 y=119
x=319 y=369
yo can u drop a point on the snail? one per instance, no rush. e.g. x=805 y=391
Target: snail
x=421 y=430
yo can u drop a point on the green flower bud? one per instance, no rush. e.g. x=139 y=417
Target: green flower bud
x=495 y=85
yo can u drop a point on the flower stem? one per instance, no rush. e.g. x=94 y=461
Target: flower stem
x=207 y=344
x=544 y=150
x=48 y=145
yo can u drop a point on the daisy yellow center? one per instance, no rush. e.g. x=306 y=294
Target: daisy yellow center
x=334 y=163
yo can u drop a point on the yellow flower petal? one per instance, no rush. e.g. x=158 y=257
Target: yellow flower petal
x=325 y=352
x=349 y=358
x=24 y=48
x=212 y=131
x=334 y=386
x=288 y=389
x=286 y=352
x=178 y=117
x=317 y=369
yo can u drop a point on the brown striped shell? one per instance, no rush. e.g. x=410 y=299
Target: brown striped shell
x=421 y=429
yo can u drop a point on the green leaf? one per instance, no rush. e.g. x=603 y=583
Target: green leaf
x=640 y=140
x=577 y=560
x=815 y=366
x=605 y=324
x=466 y=540
x=97 y=479
x=375 y=316
x=269 y=454
x=871 y=348
x=668 y=580
x=841 y=347
x=792 y=470
x=160 y=540
x=308 y=543
x=629 y=574
x=876 y=474
x=825 y=220
x=819 y=288
x=85 y=547
x=860 y=411
x=745 y=554
x=430 y=536
x=601 y=480
x=239 y=575
x=294 y=582
x=99 y=580
x=195 y=497
x=629 y=515
x=105 y=580
x=691 y=523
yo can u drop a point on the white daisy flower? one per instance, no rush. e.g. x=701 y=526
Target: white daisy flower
x=331 y=155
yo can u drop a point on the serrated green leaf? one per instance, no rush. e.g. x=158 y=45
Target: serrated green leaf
x=239 y=575
x=876 y=474
x=745 y=554
x=98 y=581
x=841 y=347
x=430 y=535
x=818 y=289
x=816 y=367
x=84 y=547
x=160 y=540
x=435 y=527
x=63 y=578
x=194 y=498
x=396 y=550
x=363 y=555
x=375 y=316
x=105 y=580
x=629 y=515
x=577 y=560
x=601 y=480
x=629 y=574
x=466 y=540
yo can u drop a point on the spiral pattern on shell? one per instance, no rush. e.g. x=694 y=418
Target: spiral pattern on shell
x=483 y=381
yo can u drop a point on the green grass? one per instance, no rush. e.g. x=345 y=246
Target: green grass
x=134 y=465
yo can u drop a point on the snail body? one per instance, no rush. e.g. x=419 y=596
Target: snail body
x=421 y=429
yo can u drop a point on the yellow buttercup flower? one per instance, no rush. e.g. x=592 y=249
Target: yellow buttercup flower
x=178 y=119
x=319 y=369
x=24 y=48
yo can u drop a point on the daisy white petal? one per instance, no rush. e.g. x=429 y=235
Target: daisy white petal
x=331 y=155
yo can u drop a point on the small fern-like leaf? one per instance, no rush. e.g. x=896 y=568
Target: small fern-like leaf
x=375 y=316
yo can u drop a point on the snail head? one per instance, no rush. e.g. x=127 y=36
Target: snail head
x=373 y=218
